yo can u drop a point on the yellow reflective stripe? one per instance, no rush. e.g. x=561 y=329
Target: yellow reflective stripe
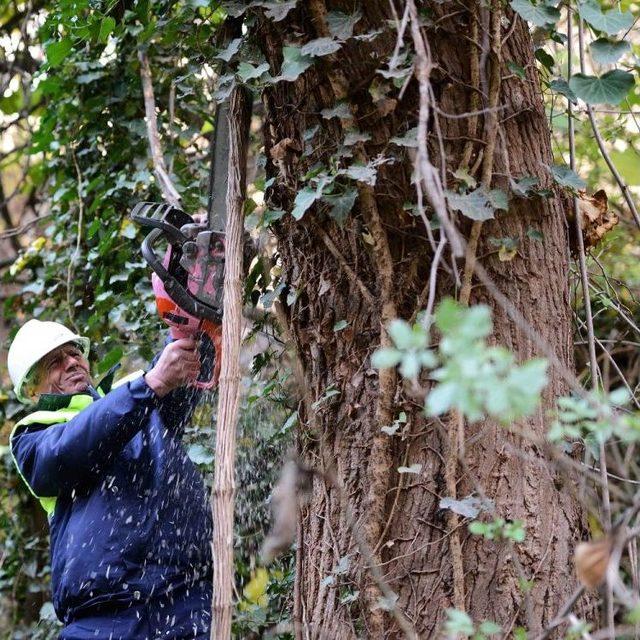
x=48 y=503
x=41 y=417
x=129 y=378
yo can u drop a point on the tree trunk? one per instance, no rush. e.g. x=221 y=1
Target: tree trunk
x=375 y=266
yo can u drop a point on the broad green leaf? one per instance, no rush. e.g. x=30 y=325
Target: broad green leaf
x=516 y=69
x=58 y=51
x=230 y=50
x=294 y=63
x=498 y=199
x=278 y=10
x=199 y=455
x=304 y=199
x=476 y=205
x=608 y=21
x=341 y=205
x=107 y=25
x=340 y=325
x=113 y=357
x=523 y=186
x=441 y=399
x=565 y=177
x=362 y=173
x=401 y=333
x=541 y=14
x=409 y=139
x=341 y=24
x=320 y=47
x=458 y=623
x=410 y=365
x=353 y=137
x=562 y=86
x=605 y=51
x=386 y=358
x=489 y=628
x=545 y=59
x=247 y=71
x=610 y=88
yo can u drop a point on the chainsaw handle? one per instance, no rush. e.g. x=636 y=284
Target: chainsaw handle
x=175 y=290
x=174 y=236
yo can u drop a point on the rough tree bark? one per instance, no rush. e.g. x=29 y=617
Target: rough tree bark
x=376 y=266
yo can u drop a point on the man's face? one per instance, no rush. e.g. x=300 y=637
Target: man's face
x=64 y=370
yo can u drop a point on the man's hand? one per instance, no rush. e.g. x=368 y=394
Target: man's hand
x=178 y=365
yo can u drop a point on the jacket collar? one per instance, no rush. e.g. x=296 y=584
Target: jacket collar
x=57 y=401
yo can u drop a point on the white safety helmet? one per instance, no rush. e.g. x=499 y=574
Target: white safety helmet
x=34 y=340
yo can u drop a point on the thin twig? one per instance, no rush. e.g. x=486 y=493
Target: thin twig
x=169 y=192
x=76 y=253
x=335 y=252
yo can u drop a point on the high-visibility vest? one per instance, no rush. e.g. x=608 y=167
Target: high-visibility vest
x=77 y=403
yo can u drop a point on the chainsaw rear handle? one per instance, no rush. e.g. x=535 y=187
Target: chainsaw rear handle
x=175 y=290
x=174 y=236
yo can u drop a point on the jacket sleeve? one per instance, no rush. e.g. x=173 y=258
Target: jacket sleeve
x=59 y=457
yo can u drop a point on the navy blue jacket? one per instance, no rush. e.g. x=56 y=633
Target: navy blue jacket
x=131 y=517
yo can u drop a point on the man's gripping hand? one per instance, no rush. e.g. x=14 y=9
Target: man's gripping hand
x=178 y=365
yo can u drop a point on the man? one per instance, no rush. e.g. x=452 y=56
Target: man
x=128 y=512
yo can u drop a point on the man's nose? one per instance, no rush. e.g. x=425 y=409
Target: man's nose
x=71 y=361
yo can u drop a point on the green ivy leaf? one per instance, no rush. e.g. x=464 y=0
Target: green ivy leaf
x=441 y=399
x=605 y=51
x=341 y=24
x=362 y=173
x=294 y=63
x=610 y=88
x=341 y=205
x=113 y=357
x=304 y=199
x=247 y=71
x=107 y=25
x=545 y=59
x=562 y=86
x=458 y=623
x=524 y=186
x=489 y=628
x=353 y=137
x=386 y=358
x=340 y=325
x=230 y=50
x=199 y=455
x=479 y=204
x=541 y=15
x=320 y=47
x=608 y=21
x=58 y=51
x=278 y=10
x=566 y=177
x=409 y=139
x=516 y=69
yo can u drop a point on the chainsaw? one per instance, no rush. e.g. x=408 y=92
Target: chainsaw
x=188 y=281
